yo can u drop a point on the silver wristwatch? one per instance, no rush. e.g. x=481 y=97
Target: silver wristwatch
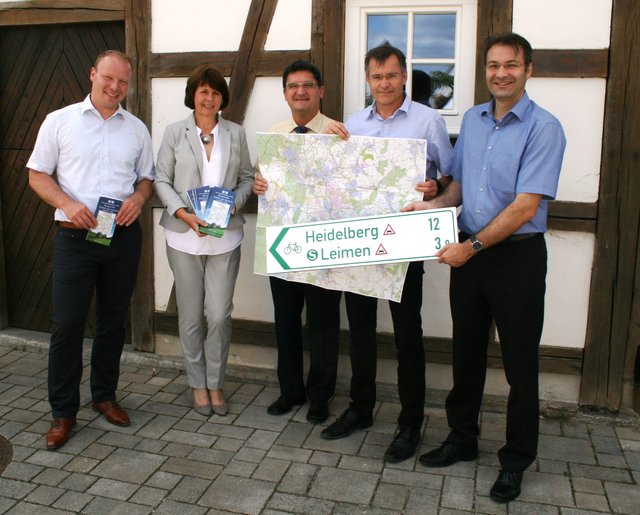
x=476 y=244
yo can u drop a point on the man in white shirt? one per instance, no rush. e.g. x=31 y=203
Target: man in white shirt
x=303 y=90
x=97 y=149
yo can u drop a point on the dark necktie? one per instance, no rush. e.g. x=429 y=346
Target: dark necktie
x=301 y=129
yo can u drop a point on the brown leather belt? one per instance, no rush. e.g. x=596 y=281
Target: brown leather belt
x=69 y=225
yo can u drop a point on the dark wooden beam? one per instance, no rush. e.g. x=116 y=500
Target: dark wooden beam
x=43 y=12
x=570 y=63
x=615 y=281
x=245 y=67
x=573 y=216
x=4 y=308
x=138 y=38
x=494 y=17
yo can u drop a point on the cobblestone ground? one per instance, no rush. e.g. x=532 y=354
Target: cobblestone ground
x=172 y=460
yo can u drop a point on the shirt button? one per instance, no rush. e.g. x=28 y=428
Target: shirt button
x=497 y=127
x=478 y=211
x=484 y=168
x=481 y=189
x=489 y=147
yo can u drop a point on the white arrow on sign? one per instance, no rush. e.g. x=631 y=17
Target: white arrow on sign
x=414 y=236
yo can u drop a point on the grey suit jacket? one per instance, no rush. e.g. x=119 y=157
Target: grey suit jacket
x=179 y=169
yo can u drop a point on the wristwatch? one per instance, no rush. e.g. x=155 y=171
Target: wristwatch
x=476 y=244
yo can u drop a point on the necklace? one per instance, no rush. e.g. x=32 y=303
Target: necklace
x=206 y=138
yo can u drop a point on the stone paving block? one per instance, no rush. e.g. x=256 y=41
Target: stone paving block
x=45 y=495
x=27 y=508
x=630 y=445
x=251 y=389
x=271 y=470
x=237 y=494
x=169 y=507
x=628 y=433
x=73 y=501
x=23 y=403
x=549 y=426
x=189 y=490
x=294 y=434
x=343 y=485
x=362 y=464
x=591 y=502
x=21 y=453
x=326 y=459
x=12 y=428
x=13 y=393
x=132 y=401
x=375 y=452
x=261 y=439
x=623 y=498
x=112 y=489
x=610 y=460
x=50 y=476
x=519 y=507
x=431 y=479
x=177 y=450
x=164 y=480
x=421 y=501
x=138 y=420
x=606 y=445
x=300 y=504
x=297 y=478
x=196 y=439
x=102 y=506
x=6 y=504
x=490 y=431
x=98 y=451
x=393 y=497
x=189 y=425
x=21 y=471
x=215 y=429
x=280 y=452
x=488 y=506
x=249 y=454
x=82 y=439
x=351 y=509
x=240 y=468
x=457 y=493
x=257 y=417
x=169 y=410
x=149 y=496
x=349 y=445
x=633 y=459
x=552 y=466
x=538 y=487
x=191 y=468
x=159 y=381
x=603 y=473
x=15 y=489
x=157 y=426
x=228 y=444
x=210 y=456
x=149 y=445
x=566 y=449
x=128 y=465
x=77 y=482
x=22 y=415
x=601 y=430
x=583 y=484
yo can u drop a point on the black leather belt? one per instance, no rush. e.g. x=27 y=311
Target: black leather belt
x=463 y=236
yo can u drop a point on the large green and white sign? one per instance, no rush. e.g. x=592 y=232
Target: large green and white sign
x=413 y=236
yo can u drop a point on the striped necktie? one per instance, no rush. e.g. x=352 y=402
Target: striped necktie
x=301 y=129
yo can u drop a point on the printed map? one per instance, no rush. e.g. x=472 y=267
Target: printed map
x=322 y=177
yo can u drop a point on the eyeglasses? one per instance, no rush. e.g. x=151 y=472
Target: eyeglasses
x=494 y=67
x=293 y=86
x=379 y=77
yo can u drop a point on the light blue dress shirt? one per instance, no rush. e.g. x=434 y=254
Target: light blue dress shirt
x=93 y=157
x=495 y=160
x=411 y=120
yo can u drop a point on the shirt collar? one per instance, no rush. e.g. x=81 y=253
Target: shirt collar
x=518 y=110
x=404 y=107
x=87 y=105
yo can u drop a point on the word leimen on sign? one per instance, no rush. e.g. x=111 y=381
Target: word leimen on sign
x=414 y=236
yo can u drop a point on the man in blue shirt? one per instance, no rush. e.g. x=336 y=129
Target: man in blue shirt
x=506 y=166
x=391 y=115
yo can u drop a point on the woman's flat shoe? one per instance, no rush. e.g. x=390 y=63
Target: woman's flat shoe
x=220 y=409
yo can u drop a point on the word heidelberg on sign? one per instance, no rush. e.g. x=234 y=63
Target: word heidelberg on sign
x=414 y=236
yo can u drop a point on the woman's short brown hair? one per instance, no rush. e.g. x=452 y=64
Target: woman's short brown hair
x=211 y=77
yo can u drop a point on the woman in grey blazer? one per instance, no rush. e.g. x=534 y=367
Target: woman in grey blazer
x=204 y=149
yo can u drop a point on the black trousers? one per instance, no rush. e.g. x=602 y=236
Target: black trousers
x=79 y=268
x=323 y=321
x=505 y=283
x=407 y=328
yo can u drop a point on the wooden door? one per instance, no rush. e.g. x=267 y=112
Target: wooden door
x=42 y=68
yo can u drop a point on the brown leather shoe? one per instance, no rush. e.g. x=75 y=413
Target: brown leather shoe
x=58 y=433
x=112 y=412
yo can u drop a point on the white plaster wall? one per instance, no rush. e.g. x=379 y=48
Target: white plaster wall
x=579 y=105
x=291 y=26
x=197 y=25
x=563 y=23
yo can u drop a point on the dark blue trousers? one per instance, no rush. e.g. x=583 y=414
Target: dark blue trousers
x=505 y=283
x=81 y=267
x=407 y=328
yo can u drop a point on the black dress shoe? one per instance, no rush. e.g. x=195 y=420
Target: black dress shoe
x=507 y=486
x=403 y=445
x=318 y=412
x=346 y=424
x=447 y=454
x=284 y=405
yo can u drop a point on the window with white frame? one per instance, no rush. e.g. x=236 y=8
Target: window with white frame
x=438 y=39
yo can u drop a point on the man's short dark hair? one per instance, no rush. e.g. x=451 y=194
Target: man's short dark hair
x=515 y=41
x=381 y=53
x=301 y=66
x=211 y=77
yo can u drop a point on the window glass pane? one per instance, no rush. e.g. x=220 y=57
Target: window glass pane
x=432 y=84
x=387 y=27
x=434 y=36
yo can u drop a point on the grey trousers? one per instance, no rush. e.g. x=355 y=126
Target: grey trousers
x=204 y=287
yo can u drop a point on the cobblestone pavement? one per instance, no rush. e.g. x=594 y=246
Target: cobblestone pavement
x=172 y=460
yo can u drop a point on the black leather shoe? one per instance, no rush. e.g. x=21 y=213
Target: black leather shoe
x=318 y=412
x=447 y=454
x=507 y=486
x=284 y=405
x=346 y=424
x=403 y=445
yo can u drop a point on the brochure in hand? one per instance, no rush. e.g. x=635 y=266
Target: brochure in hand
x=213 y=205
x=105 y=214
